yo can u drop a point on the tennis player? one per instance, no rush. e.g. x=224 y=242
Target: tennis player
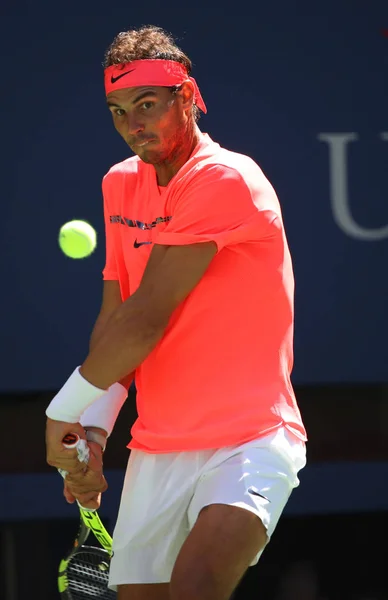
x=198 y=307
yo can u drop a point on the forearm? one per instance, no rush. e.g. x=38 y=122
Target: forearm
x=104 y=412
x=98 y=329
x=93 y=391
x=122 y=344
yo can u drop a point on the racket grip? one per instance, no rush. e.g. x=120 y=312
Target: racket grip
x=72 y=440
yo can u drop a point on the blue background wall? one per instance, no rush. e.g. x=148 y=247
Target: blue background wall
x=275 y=79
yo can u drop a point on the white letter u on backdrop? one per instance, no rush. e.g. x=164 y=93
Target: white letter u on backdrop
x=339 y=195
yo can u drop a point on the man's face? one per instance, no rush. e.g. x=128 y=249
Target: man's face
x=152 y=121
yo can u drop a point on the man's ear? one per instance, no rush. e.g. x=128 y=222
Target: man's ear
x=187 y=94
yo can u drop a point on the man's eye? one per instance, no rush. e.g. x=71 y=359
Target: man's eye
x=146 y=105
x=119 y=112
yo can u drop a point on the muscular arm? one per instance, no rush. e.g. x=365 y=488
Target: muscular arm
x=139 y=323
x=111 y=301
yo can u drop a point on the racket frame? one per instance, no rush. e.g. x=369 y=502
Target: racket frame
x=89 y=522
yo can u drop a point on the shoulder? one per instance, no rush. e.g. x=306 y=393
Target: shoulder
x=234 y=176
x=127 y=169
x=238 y=167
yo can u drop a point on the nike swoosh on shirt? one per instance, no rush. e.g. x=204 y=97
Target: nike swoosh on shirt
x=137 y=244
x=114 y=79
x=256 y=493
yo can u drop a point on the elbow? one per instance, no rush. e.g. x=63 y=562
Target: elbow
x=139 y=316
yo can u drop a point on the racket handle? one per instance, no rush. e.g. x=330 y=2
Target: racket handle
x=72 y=440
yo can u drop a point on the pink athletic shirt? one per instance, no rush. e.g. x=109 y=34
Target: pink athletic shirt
x=220 y=375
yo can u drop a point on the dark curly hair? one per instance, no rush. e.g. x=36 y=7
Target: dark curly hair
x=147 y=42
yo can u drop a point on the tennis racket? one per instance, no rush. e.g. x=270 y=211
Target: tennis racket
x=84 y=573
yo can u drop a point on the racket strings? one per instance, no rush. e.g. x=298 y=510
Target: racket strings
x=88 y=576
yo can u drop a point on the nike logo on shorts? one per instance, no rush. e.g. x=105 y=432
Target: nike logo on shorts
x=254 y=492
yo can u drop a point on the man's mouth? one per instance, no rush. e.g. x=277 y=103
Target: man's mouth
x=142 y=144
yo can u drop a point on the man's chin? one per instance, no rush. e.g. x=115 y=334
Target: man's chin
x=150 y=157
x=145 y=157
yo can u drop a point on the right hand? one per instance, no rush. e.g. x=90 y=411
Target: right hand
x=56 y=454
x=86 y=486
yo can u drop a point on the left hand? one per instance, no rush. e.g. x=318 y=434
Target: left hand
x=90 y=501
x=56 y=454
x=86 y=487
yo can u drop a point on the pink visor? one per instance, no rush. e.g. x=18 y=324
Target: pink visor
x=157 y=72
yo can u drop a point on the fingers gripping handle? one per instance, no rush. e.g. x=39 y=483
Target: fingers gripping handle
x=72 y=440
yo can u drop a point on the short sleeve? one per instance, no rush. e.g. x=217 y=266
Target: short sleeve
x=218 y=206
x=110 y=271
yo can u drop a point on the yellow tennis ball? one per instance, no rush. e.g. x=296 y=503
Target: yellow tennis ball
x=77 y=239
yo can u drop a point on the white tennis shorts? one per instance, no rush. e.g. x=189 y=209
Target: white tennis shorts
x=163 y=495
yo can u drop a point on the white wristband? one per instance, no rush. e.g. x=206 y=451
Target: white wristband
x=73 y=399
x=98 y=438
x=104 y=411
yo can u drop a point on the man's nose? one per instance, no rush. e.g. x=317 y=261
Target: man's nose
x=134 y=126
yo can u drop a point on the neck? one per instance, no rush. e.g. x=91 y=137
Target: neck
x=166 y=170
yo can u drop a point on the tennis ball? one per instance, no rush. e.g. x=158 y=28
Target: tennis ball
x=77 y=239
